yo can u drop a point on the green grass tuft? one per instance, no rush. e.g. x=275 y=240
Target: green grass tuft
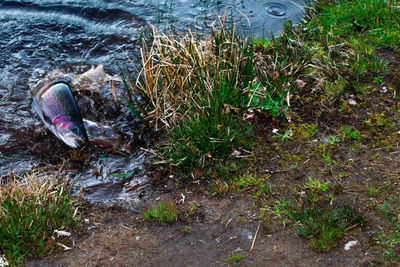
x=30 y=212
x=316 y=217
x=324 y=224
x=202 y=141
x=234 y=259
x=164 y=213
x=350 y=133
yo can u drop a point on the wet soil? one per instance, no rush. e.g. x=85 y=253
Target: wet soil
x=366 y=173
x=118 y=238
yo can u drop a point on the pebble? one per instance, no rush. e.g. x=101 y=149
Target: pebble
x=350 y=244
x=352 y=102
x=62 y=233
x=3 y=261
x=383 y=89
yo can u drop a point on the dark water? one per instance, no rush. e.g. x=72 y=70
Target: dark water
x=69 y=37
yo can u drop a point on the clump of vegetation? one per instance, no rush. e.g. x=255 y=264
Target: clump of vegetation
x=234 y=259
x=258 y=186
x=219 y=188
x=31 y=211
x=196 y=87
x=190 y=74
x=316 y=217
x=324 y=224
x=390 y=243
x=350 y=133
x=315 y=186
x=164 y=213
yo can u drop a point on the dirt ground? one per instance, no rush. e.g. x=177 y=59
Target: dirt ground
x=224 y=227
x=365 y=171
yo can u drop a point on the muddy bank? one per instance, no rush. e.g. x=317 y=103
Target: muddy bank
x=223 y=228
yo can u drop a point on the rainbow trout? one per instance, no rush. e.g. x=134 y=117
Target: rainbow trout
x=56 y=107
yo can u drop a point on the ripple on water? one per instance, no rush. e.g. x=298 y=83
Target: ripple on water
x=276 y=9
x=254 y=18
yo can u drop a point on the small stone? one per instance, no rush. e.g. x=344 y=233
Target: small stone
x=352 y=102
x=3 y=261
x=350 y=244
x=62 y=233
x=236 y=153
x=301 y=83
x=247 y=116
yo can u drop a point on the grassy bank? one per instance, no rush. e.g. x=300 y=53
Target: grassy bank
x=35 y=209
x=324 y=93
x=198 y=88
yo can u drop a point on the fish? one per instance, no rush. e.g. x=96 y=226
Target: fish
x=56 y=106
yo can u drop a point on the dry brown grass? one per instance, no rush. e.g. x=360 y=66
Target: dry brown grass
x=182 y=73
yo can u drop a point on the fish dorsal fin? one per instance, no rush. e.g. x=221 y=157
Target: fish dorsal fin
x=44 y=90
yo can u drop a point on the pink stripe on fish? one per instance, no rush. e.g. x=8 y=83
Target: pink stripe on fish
x=61 y=122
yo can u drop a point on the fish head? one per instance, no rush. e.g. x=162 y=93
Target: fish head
x=71 y=133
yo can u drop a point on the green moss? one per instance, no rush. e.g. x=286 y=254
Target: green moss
x=388 y=239
x=258 y=186
x=303 y=131
x=343 y=174
x=234 y=259
x=389 y=242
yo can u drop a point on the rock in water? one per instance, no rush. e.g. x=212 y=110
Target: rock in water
x=56 y=107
